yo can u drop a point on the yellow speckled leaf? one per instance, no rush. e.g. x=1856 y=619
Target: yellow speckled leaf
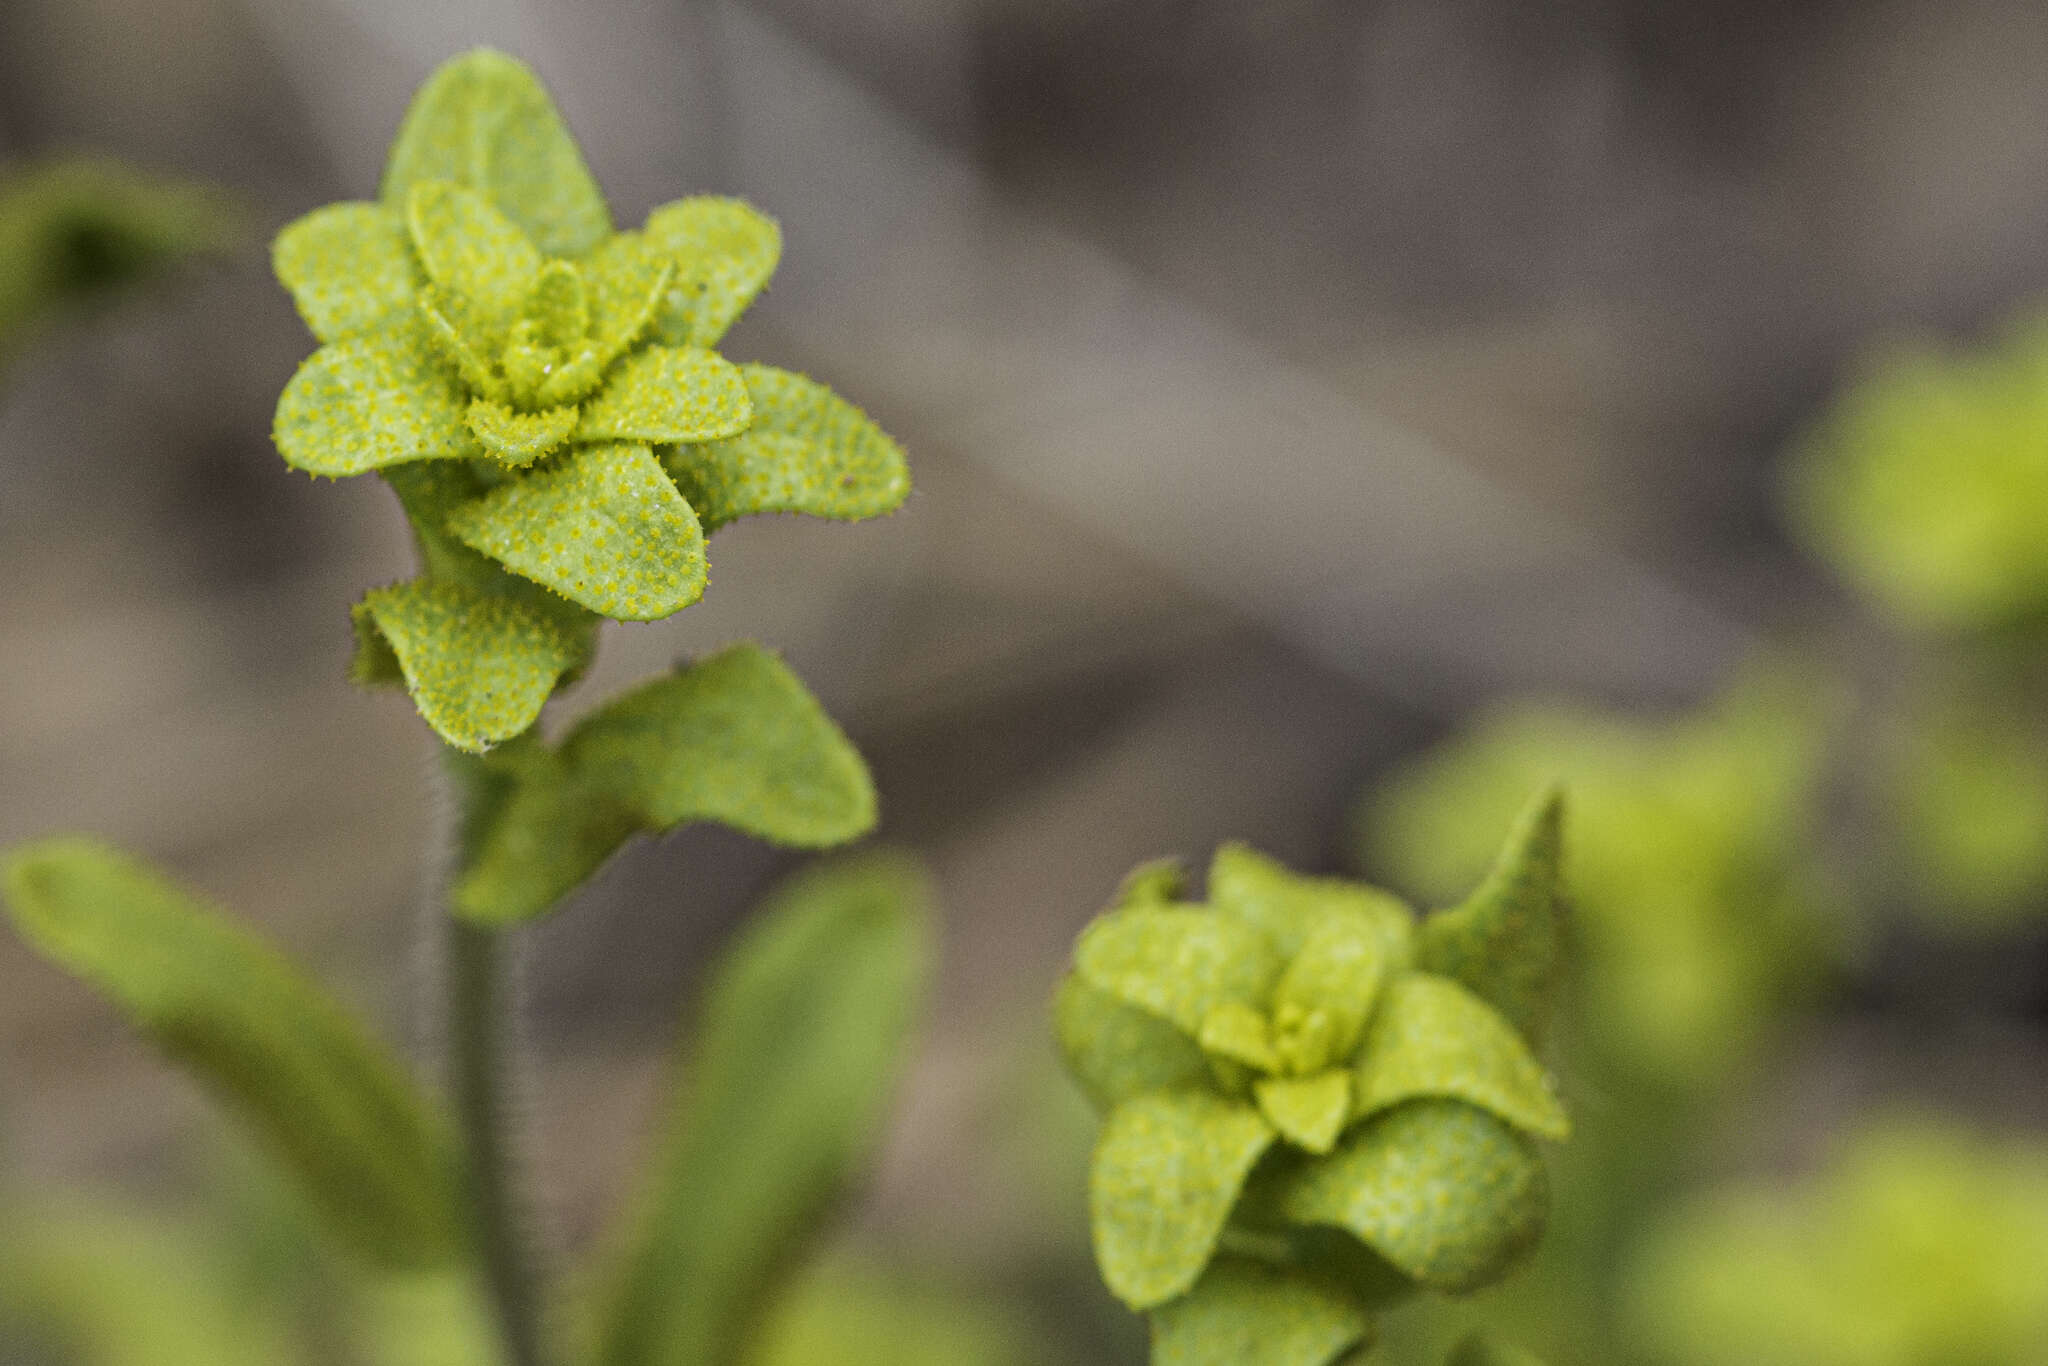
x=483 y=121
x=1441 y=1189
x=667 y=393
x=349 y=268
x=725 y=250
x=1168 y=1167
x=627 y=278
x=1179 y=962
x=1117 y=1051
x=479 y=668
x=604 y=528
x=472 y=251
x=371 y=401
x=807 y=450
x=517 y=438
x=1431 y=1037
x=1242 y=1313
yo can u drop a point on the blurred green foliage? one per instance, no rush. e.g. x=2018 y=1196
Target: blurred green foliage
x=77 y=229
x=1921 y=1242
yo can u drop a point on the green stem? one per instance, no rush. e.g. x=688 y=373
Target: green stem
x=478 y=1026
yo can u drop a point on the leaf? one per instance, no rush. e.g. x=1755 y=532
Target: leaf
x=325 y=1099
x=1431 y=1037
x=1168 y=1168
x=374 y=400
x=472 y=251
x=1242 y=1313
x=1309 y=1112
x=628 y=277
x=516 y=438
x=107 y=1287
x=479 y=668
x=483 y=121
x=1335 y=979
x=785 y=1082
x=726 y=250
x=350 y=269
x=1441 y=1189
x=1287 y=907
x=1480 y=1350
x=851 y=1315
x=604 y=528
x=1506 y=942
x=667 y=393
x=1117 y=1051
x=807 y=451
x=735 y=739
x=1179 y=962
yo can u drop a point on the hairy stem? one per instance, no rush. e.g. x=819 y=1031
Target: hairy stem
x=478 y=1004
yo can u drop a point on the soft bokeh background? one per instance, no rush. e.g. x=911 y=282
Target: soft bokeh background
x=1288 y=385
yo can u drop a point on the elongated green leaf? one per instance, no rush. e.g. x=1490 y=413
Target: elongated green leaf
x=1244 y=1314
x=349 y=268
x=1117 y=1051
x=479 y=667
x=1431 y=1037
x=605 y=528
x=1441 y=1189
x=376 y=399
x=483 y=121
x=846 y=1314
x=668 y=393
x=289 y=1061
x=808 y=450
x=784 y=1084
x=1287 y=907
x=472 y=251
x=725 y=250
x=735 y=739
x=1506 y=942
x=1179 y=962
x=1167 y=1169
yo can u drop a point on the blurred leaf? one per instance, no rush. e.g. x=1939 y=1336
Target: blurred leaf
x=1168 y=1168
x=484 y=122
x=807 y=450
x=1243 y=1314
x=1479 y=1350
x=1922 y=485
x=75 y=229
x=1287 y=907
x=1921 y=1241
x=1441 y=1189
x=479 y=667
x=726 y=250
x=734 y=738
x=326 y=1100
x=1505 y=942
x=1179 y=962
x=114 y=1288
x=850 y=1315
x=433 y=1319
x=785 y=1082
x=1431 y=1037
x=1116 y=1050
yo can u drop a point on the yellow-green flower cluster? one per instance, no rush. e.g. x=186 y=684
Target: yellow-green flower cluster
x=542 y=392
x=1313 y=1101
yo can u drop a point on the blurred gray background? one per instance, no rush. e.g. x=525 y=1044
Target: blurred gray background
x=1281 y=378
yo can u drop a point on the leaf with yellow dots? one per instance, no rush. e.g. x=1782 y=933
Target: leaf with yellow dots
x=1117 y=1051
x=1431 y=1037
x=604 y=528
x=1179 y=962
x=484 y=122
x=350 y=269
x=1442 y=1189
x=1167 y=1170
x=1505 y=942
x=735 y=738
x=516 y=438
x=479 y=667
x=323 y=1097
x=725 y=250
x=378 y=399
x=1243 y=1313
x=807 y=450
x=472 y=251
x=668 y=393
